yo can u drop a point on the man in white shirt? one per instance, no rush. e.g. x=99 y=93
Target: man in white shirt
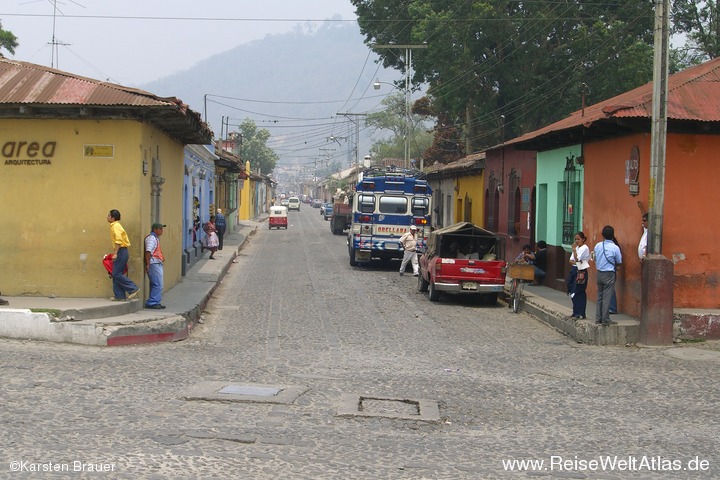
x=642 y=246
x=409 y=243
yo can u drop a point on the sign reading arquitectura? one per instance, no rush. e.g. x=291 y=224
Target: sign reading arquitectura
x=28 y=153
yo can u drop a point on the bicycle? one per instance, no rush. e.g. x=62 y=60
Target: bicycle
x=520 y=274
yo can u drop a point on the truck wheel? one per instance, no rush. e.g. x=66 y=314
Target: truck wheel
x=422 y=284
x=353 y=262
x=433 y=295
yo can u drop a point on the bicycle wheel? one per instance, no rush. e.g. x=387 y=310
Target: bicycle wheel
x=515 y=300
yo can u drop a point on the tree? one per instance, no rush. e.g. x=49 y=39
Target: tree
x=254 y=147
x=8 y=41
x=392 y=118
x=700 y=21
x=529 y=62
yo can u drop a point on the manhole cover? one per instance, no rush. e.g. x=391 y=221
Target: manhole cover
x=250 y=390
x=399 y=408
x=233 y=392
x=390 y=407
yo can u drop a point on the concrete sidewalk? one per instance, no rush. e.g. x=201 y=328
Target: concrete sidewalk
x=97 y=321
x=555 y=308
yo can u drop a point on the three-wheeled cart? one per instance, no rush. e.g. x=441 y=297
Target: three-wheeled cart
x=278 y=217
x=520 y=273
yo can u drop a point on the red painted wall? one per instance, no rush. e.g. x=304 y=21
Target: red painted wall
x=523 y=161
x=690 y=223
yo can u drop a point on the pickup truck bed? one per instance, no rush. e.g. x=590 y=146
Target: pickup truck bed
x=341 y=218
x=462 y=259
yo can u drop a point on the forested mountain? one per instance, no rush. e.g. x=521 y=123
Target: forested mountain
x=293 y=84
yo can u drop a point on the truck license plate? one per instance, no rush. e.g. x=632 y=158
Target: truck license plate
x=469 y=286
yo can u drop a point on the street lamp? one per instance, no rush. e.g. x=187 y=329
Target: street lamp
x=406 y=142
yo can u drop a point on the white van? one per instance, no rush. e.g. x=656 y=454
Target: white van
x=293 y=203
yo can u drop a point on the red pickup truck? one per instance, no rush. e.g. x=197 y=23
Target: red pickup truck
x=463 y=259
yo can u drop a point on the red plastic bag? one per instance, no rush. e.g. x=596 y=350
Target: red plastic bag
x=108 y=264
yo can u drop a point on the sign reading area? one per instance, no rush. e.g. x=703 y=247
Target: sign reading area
x=28 y=153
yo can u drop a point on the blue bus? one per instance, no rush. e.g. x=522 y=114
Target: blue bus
x=386 y=201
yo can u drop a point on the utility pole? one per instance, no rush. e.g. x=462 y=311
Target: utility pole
x=408 y=84
x=357 y=135
x=659 y=126
x=656 y=305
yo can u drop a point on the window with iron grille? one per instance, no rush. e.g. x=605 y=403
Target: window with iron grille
x=514 y=203
x=571 y=201
x=490 y=203
x=366 y=203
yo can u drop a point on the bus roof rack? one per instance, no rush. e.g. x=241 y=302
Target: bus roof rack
x=391 y=170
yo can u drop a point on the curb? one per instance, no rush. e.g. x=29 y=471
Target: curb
x=120 y=323
x=169 y=329
x=623 y=332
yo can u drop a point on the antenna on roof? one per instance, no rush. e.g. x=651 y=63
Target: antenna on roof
x=55 y=42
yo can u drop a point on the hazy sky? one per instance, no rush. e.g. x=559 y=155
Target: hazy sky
x=132 y=42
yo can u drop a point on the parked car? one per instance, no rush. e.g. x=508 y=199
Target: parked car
x=463 y=259
x=327 y=213
x=316 y=203
x=293 y=203
x=325 y=206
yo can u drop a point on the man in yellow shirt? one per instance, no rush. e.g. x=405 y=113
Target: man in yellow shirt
x=121 y=284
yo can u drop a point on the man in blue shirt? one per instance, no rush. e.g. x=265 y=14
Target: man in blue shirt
x=220 y=225
x=607 y=258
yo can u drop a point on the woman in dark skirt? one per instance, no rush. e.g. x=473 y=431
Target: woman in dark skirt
x=578 y=279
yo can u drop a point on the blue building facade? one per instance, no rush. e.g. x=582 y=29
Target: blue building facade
x=198 y=199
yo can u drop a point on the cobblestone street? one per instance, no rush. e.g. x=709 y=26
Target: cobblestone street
x=293 y=313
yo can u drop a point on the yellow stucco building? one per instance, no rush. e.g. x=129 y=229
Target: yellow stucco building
x=458 y=191
x=71 y=149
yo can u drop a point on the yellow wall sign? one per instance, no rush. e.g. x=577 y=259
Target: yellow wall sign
x=99 y=151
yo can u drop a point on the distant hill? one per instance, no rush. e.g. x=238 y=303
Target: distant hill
x=315 y=70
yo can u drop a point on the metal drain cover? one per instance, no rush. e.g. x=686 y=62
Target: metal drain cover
x=384 y=407
x=250 y=390
x=233 y=392
x=389 y=407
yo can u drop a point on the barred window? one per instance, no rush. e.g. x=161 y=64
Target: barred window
x=571 y=201
x=514 y=203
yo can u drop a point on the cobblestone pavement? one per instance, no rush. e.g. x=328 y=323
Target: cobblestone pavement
x=293 y=313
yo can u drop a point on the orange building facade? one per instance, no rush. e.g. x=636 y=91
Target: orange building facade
x=689 y=216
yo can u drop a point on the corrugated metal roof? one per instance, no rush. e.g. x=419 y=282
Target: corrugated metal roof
x=458 y=165
x=48 y=90
x=693 y=95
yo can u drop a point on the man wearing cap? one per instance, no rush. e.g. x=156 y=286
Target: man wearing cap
x=154 y=266
x=409 y=243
